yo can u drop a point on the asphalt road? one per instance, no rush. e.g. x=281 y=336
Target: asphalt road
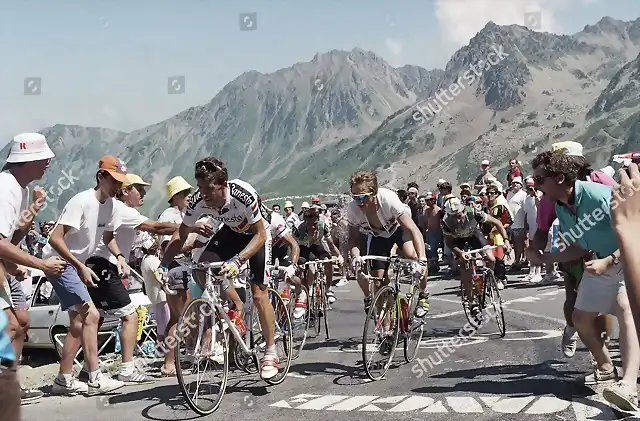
x=523 y=376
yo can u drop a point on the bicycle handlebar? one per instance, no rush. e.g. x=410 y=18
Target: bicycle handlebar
x=315 y=262
x=388 y=259
x=483 y=249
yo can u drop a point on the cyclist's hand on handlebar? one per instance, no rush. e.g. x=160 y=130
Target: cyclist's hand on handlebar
x=340 y=259
x=419 y=268
x=231 y=268
x=290 y=272
x=465 y=256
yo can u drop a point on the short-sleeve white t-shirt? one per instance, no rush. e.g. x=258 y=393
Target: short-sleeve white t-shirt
x=88 y=219
x=130 y=220
x=173 y=215
x=390 y=208
x=14 y=201
x=516 y=204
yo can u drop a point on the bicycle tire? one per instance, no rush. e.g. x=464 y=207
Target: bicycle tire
x=244 y=361
x=299 y=339
x=281 y=314
x=183 y=327
x=410 y=355
x=325 y=307
x=318 y=306
x=371 y=316
x=496 y=302
x=467 y=309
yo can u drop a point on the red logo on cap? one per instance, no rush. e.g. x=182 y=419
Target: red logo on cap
x=23 y=146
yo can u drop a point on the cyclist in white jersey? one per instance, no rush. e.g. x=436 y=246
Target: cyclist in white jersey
x=244 y=237
x=380 y=213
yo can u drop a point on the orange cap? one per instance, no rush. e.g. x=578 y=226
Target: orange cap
x=114 y=167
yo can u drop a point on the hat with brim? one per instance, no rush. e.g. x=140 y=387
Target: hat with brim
x=568 y=148
x=175 y=186
x=134 y=179
x=288 y=204
x=305 y=205
x=116 y=168
x=29 y=147
x=465 y=186
x=517 y=180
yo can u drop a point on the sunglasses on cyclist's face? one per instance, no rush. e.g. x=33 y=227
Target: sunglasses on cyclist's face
x=360 y=197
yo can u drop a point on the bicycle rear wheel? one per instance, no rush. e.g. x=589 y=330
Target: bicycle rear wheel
x=491 y=284
x=380 y=335
x=198 y=328
x=415 y=328
x=324 y=307
x=299 y=326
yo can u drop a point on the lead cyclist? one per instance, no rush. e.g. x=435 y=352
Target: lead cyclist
x=379 y=213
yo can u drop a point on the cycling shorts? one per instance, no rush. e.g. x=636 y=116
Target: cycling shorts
x=381 y=246
x=476 y=241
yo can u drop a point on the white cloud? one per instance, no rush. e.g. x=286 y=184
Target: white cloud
x=461 y=20
x=395 y=47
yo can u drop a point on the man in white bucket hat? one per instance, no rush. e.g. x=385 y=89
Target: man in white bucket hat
x=292 y=218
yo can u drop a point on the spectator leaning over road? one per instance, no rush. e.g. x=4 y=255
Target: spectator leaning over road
x=481 y=180
x=291 y=218
x=514 y=170
x=85 y=218
x=515 y=199
x=111 y=295
x=625 y=212
x=583 y=209
x=572 y=270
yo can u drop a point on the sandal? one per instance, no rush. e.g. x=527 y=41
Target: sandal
x=168 y=373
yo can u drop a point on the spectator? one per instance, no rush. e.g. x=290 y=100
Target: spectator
x=446 y=194
x=499 y=210
x=434 y=237
x=481 y=180
x=465 y=186
x=530 y=209
x=9 y=387
x=402 y=194
x=602 y=289
x=315 y=200
x=304 y=207
x=514 y=170
x=412 y=201
x=515 y=200
x=291 y=217
x=275 y=208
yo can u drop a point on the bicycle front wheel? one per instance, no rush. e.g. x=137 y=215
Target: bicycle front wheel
x=496 y=301
x=380 y=335
x=415 y=328
x=299 y=325
x=466 y=305
x=201 y=356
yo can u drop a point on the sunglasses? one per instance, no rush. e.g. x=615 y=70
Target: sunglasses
x=492 y=193
x=538 y=179
x=360 y=197
x=203 y=166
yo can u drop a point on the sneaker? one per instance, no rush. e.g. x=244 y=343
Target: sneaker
x=342 y=282
x=103 y=385
x=622 y=395
x=269 y=366
x=422 y=308
x=598 y=376
x=71 y=388
x=28 y=395
x=135 y=377
x=569 y=342
x=500 y=284
x=331 y=297
x=286 y=295
x=535 y=279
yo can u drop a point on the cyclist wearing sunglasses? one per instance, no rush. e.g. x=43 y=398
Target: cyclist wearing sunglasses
x=462 y=227
x=380 y=213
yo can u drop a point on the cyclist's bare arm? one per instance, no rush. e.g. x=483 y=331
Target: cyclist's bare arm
x=354 y=237
x=293 y=245
x=496 y=223
x=257 y=241
x=332 y=247
x=407 y=224
x=175 y=244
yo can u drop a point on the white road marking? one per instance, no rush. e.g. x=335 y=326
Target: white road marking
x=539 y=316
x=352 y=403
x=464 y=404
x=296 y=375
x=585 y=409
x=544 y=334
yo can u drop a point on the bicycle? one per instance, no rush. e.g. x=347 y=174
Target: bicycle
x=392 y=316
x=484 y=285
x=318 y=304
x=205 y=316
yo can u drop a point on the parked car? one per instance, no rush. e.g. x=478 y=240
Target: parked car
x=47 y=319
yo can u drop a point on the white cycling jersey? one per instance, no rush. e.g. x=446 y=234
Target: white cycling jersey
x=390 y=208
x=279 y=228
x=240 y=211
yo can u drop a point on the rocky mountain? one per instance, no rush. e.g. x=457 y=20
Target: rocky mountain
x=509 y=93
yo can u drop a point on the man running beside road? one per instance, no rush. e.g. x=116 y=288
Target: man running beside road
x=245 y=236
x=462 y=226
x=380 y=213
x=85 y=218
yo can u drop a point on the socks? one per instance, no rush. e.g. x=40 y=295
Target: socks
x=127 y=368
x=93 y=375
x=271 y=350
x=65 y=378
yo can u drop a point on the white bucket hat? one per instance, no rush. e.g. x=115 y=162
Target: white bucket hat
x=288 y=204
x=517 y=180
x=29 y=147
x=569 y=148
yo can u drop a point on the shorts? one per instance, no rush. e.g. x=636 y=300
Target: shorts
x=5 y=296
x=19 y=299
x=69 y=288
x=281 y=253
x=381 y=246
x=227 y=243
x=111 y=296
x=314 y=251
x=178 y=280
x=434 y=240
x=477 y=241
x=599 y=293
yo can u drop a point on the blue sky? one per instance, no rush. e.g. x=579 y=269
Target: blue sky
x=106 y=63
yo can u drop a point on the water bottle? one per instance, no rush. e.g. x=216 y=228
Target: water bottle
x=404 y=306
